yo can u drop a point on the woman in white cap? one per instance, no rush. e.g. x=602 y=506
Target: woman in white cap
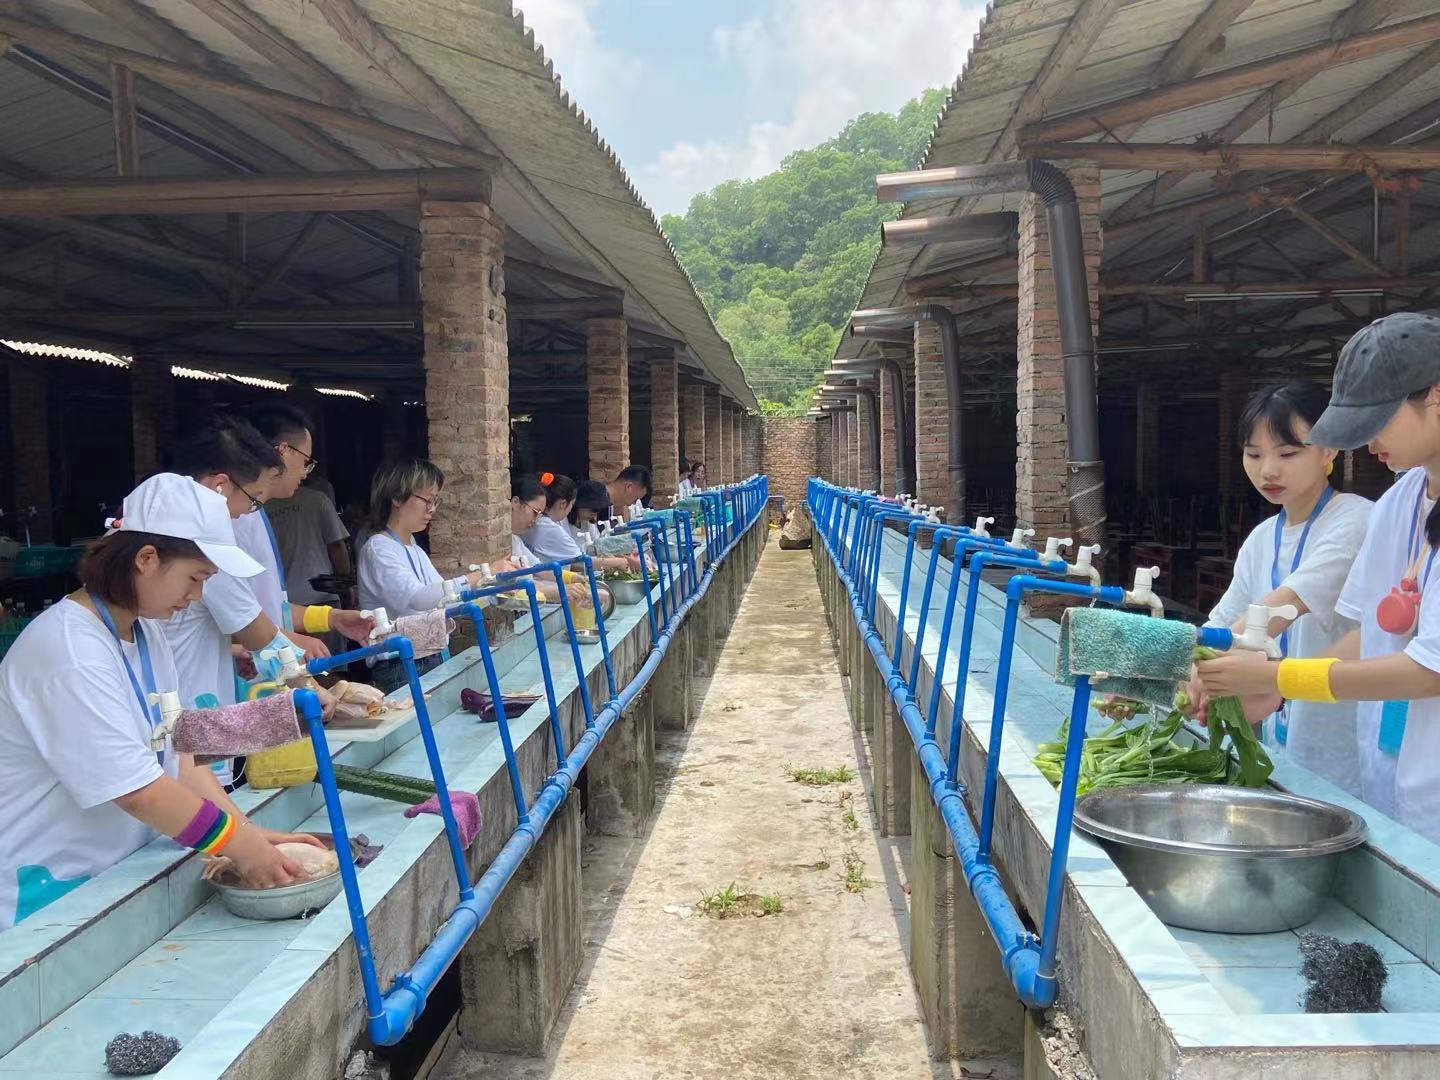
x=1386 y=396
x=81 y=784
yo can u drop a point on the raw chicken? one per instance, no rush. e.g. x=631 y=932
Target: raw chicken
x=313 y=862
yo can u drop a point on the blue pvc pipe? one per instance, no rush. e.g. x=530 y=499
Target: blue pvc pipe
x=406 y=999
x=558 y=570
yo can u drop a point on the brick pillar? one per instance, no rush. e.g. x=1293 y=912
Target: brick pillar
x=865 y=475
x=737 y=452
x=30 y=447
x=607 y=380
x=724 y=442
x=1234 y=387
x=845 y=448
x=1147 y=438
x=664 y=429
x=889 y=451
x=714 y=470
x=825 y=447
x=932 y=421
x=467 y=380
x=152 y=413
x=1041 y=480
x=692 y=405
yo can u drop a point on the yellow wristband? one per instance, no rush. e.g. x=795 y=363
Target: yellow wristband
x=569 y=577
x=317 y=619
x=1306 y=680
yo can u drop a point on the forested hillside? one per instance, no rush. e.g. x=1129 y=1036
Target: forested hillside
x=781 y=260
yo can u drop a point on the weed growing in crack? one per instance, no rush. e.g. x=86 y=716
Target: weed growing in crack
x=720 y=902
x=772 y=904
x=854 y=878
x=841 y=774
x=851 y=821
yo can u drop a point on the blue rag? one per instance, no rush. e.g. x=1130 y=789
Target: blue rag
x=1140 y=658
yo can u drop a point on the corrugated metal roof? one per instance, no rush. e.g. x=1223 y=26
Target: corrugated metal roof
x=1016 y=38
x=562 y=188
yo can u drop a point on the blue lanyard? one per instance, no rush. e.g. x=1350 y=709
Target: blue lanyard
x=1412 y=546
x=279 y=568
x=1275 y=578
x=414 y=569
x=151 y=712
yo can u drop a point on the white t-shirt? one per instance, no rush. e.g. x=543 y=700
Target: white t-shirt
x=200 y=637
x=521 y=553
x=254 y=540
x=1406 y=787
x=1321 y=737
x=551 y=540
x=688 y=488
x=305 y=524
x=73 y=738
x=399 y=577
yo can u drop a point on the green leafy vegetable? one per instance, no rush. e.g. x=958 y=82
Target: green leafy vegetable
x=1226 y=717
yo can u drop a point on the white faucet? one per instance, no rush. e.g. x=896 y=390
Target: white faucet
x=982 y=525
x=1019 y=537
x=1143 y=594
x=1083 y=565
x=169 y=702
x=383 y=626
x=1256 y=635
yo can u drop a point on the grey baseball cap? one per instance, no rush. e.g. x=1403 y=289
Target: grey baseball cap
x=1379 y=368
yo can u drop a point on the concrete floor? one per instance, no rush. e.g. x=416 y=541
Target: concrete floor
x=820 y=990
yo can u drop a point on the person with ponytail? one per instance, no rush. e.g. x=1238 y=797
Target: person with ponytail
x=550 y=539
x=85 y=779
x=1300 y=557
x=528 y=502
x=1386 y=397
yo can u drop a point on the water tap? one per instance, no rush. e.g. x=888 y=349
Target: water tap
x=1143 y=594
x=1256 y=635
x=383 y=626
x=483 y=569
x=982 y=527
x=1053 y=544
x=1019 y=537
x=1083 y=566
x=932 y=515
x=169 y=702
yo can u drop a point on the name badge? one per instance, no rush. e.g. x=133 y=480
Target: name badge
x=1392 y=726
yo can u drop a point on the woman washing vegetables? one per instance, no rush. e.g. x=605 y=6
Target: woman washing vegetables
x=1387 y=395
x=81 y=785
x=1299 y=557
x=551 y=539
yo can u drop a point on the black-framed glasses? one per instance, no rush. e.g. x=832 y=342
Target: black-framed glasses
x=310 y=462
x=254 y=502
x=535 y=511
x=430 y=504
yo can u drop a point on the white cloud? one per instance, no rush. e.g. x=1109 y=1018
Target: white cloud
x=844 y=57
x=565 y=29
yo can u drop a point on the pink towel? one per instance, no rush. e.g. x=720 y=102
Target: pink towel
x=231 y=730
x=467 y=813
x=427 y=632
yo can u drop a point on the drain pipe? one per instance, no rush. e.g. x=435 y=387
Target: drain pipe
x=872 y=409
x=904 y=479
x=879 y=320
x=1077 y=341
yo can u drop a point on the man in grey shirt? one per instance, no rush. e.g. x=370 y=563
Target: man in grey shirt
x=311 y=538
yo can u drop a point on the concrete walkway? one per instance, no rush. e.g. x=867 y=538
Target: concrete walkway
x=821 y=989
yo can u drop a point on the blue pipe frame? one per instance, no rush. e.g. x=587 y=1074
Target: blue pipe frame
x=390 y=1015
x=852 y=526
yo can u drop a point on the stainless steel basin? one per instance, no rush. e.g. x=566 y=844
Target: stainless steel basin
x=627 y=592
x=1219 y=858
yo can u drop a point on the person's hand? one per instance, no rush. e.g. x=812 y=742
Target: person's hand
x=258 y=860
x=312 y=648
x=579 y=593
x=352 y=624
x=505 y=565
x=1259 y=706
x=632 y=562
x=244 y=662
x=1241 y=673
x=327 y=702
x=1198 y=706
x=276 y=837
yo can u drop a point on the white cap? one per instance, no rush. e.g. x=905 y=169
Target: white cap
x=168 y=504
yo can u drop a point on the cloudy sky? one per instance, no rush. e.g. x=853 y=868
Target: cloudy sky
x=693 y=92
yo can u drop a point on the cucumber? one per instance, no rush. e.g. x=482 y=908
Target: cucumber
x=382 y=785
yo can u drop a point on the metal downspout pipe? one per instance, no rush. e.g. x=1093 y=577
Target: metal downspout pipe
x=904 y=481
x=872 y=408
x=1062 y=212
x=881 y=319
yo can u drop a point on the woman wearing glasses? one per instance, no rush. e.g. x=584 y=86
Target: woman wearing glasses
x=395 y=572
x=528 y=501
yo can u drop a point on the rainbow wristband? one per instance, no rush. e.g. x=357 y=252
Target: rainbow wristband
x=1306 y=680
x=209 y=830
x=317 y=619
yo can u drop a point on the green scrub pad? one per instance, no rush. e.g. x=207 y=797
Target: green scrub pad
x=1143 y=658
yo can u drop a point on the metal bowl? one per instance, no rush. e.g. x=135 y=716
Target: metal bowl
x=627 y=592
x=285 y=902
x=1224 y=859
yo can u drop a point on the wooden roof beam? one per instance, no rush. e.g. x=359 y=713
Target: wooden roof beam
x=953 y=276
x=181 y=76
x=396 y=189
x=1235 y=157
x=1199 y=42
x=1228 y=83
x=1320 y=229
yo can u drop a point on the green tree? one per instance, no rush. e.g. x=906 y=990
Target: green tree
x=780 y=261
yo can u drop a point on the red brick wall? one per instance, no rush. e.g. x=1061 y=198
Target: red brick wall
x=607 y=379
x=714 y=467
x=664 y=430
x=790 y=455
x=932 y=420
x=753 y=440
x=825 y=448
x=1040 y=459
x=467 y=380
x=692 y=397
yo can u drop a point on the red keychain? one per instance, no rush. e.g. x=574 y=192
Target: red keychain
x=1398 y=612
